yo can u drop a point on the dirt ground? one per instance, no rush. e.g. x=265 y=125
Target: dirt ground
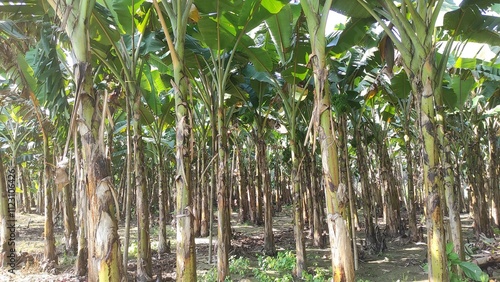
x=402 y=261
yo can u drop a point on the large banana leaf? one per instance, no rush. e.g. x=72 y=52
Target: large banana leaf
x=123 y=13
x=281 y=27
x=472 y=24
x=354 y=33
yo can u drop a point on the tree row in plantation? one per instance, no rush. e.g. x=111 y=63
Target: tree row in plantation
x=183 y=113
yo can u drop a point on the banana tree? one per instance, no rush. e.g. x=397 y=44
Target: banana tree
x=4 y=213
x=321 y=126
x=410 y=26
x=38 y=72
x=102 y=228
x=140 y=82
x=178 y=12
x=260 y=109
x=226 y=35
x=282 y=36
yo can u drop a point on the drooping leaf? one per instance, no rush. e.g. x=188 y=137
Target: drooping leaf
x=251 y=15
x=123 y=12
x=471 y=270
x=104 y=31
x=295 y=73
x=210 y=7
x=146 y=115
x=151 y=43
x=274 y=6
x=158 y=63
x=353 y=34
x=251 y=72
x=152 y=84
x=462 y=88
x=469 y=22
x=27 y=72
x=143 y=22
x=400 y=85
x=483 y=4
x=386 y=49
x=388 y=112
x=194 y=14
x=259 y=58
x=466 y=63
x=9 y=28
x=223 y=39
x=281 y=27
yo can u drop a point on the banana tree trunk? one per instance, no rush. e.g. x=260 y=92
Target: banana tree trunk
x=6 y=184
x=69 y=221
x=144 y=266
x=391 y=200
x=49 y=239
x=104 y=262
x=494 y=170
x=371 y=239
x=412 y=214
x=269 y=248
x=259 y=214
x=448 y=179
x=186 y=256
x=26 y=194
x=477 y=169
x=335 y=192
x=128 y=184
x=204 y=199
x=251 y=191
x=197 y=193
x=244 y=215
x=308 y=190
x=186 y=260
x=300 y=250
x=82 y=251
x=223 y=231
x=162 y=206
x=317 y=207
x=422 y=85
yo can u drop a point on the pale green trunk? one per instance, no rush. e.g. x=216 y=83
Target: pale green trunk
x=448 y=179
x=335 y=192
x=414 y=39
x=433 y=183
x=104 y=262
x=186 y=255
